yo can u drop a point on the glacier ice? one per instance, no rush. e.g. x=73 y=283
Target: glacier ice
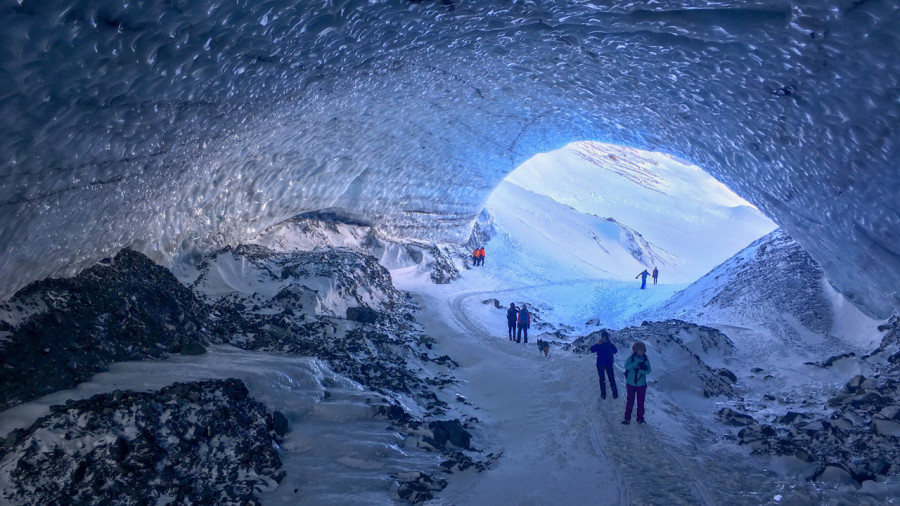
x=174 y=127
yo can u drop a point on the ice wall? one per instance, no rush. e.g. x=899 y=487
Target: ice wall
x=182 y=125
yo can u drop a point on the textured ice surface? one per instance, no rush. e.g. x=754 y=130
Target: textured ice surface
x=177 y=126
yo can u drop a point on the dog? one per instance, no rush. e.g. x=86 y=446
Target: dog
x=544 y=347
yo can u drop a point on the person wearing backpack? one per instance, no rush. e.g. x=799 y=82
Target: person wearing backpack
x=637 y=367
x=524 y=323
x=605 y=351
x=512 y=314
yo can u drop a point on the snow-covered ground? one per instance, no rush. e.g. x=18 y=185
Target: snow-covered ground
x=554 y=247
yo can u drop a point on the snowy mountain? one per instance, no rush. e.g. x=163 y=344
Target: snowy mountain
x=611 y=212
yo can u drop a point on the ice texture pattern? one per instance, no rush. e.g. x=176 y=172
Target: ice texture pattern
x=176 y=127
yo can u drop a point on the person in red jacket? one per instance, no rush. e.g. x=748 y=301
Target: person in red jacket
x=481 y=256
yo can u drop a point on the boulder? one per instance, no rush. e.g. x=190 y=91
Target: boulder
x=362 y=314
x=193 y=348
x=280 y=423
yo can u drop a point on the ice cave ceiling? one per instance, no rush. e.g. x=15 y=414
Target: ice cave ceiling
x=174 y=126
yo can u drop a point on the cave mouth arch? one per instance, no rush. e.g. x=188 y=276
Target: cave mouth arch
x=606 y=210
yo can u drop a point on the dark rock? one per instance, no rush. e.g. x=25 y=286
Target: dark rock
x=193 y=348
x=730 y=376
x=362 y=314
x=124 y=308
x=452 y=431
x=495 y=302
x=144 y=460
x=791 y=417
x=280 y=423
x=731 y=417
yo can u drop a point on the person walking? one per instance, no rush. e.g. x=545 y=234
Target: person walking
x=643 y=275
x=637 y=367
x=512 y=314
x=655 y=274
x=605 y=351
x=475 y=257
x=524 y=322
x=481 y=256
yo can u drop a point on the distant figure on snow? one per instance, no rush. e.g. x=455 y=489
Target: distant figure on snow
x=524 y=324
x=481 y=256
x=544 y=347
x=512 y=314
x=643 y=275
x=605 y=351
x=637 y=367
x=475 y=256
x=655 y=274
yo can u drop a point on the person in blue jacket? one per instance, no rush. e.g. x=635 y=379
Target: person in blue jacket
x=605 y=351
x=637 y=367
x=524 y=323
x=643 y=275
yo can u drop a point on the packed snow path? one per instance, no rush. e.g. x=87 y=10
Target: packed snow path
x=560 y=442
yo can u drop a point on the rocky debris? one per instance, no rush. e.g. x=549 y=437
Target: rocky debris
x=193 y=348
x=417 y=487
x=495 y=302
x=280 y=423
x=450 y=431
x=731 y=417
x=890 y=343
x=439 y=262
x=381 y=349
x=449 y=437
x=63 y=331
x=190 y=443
x=853 y=438
x=832 y=360
x=314 y=303
x=676 y=341
x=772 y=283
x=320 y=231
x=362 y=314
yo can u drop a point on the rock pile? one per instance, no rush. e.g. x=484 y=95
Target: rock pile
x=190 y=443
x=338 y=305
x=57 y=333
x=678 y=342
x=854 y=438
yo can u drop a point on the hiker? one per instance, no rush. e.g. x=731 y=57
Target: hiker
x=481 y=256
x=655 y=275
x=605 y=351
x=524 y=324
x=475 y=256
x=643 y=275
x=637 y=367
x=512 y=314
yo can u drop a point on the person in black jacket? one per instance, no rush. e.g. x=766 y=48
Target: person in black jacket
x=605 y=351
x=512 y=314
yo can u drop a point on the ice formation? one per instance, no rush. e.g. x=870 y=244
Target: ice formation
x=173 y=127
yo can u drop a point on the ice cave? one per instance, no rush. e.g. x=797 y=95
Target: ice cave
x=236 y=241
